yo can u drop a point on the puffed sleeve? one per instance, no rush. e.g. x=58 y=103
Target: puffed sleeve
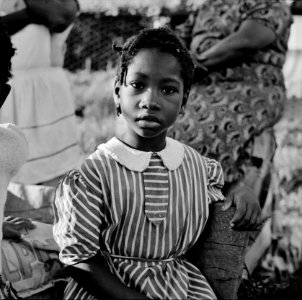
x=274 y=15
x=78 y=212
x=215 y=180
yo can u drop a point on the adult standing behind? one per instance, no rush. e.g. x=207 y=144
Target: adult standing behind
x=13 y=153
x=239 y=48
x=41 y=102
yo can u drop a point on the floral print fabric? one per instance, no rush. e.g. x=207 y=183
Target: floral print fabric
x=227 y=108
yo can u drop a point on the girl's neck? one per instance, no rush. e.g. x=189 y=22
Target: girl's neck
x=144 y=144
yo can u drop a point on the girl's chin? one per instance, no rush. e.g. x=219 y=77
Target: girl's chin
x=149 y=132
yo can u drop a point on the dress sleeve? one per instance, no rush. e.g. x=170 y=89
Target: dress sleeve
x=215 y=180
x=78 y=211
x=274 y=15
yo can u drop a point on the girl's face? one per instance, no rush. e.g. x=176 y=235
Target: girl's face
x=150 y=98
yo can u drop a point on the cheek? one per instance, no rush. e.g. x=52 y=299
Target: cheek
x=173 y=110
x=176 y=103
x=128 y=107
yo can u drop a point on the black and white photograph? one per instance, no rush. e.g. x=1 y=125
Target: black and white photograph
x=151 y=149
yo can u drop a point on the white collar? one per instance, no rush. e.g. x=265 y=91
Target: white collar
x=172 y=155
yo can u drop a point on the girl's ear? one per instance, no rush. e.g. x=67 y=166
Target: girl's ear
x=116 y=93
x=182 y=110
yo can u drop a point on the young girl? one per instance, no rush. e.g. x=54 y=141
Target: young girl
x=125 y=219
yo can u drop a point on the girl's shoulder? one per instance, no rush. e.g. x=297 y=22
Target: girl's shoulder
x=194 y=156
x=100 y=157
x=100 y=162
x=192 y=152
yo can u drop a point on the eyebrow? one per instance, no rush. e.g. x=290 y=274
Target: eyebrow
x=166 y=79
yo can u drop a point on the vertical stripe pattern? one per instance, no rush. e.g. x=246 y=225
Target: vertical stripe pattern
x=105 y=199
x=156 y=187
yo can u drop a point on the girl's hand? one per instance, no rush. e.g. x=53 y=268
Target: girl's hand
x=248 y=212
x=16 y=227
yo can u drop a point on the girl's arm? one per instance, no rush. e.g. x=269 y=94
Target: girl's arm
x=251 y=36
x=80 y=241
x=93 y=275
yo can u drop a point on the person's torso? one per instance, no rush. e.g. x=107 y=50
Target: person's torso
x=36 y=47
x=217 y=19
x=129 y=232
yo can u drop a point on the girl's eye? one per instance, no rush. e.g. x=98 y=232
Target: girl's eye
x=169 y=90
x=137 y=85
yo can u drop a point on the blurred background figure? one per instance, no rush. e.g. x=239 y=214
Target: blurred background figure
x=239 y=48
x=13 y=153
x=293 y=65
x=41 y=102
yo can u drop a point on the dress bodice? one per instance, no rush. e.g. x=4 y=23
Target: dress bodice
x=33 y=45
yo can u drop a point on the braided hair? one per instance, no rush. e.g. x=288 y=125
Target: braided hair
x=6 y=53
x=162 y=39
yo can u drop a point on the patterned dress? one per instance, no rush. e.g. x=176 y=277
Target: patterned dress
x=142 y=211
x=227 y=108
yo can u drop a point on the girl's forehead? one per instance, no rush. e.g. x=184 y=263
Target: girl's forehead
x=155 y=61
x=153 y=54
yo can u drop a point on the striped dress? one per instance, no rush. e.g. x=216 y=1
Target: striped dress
x=147 y=209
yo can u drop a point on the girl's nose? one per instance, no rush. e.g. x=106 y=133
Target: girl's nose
x=150 y=100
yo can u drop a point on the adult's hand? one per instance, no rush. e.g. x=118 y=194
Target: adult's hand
x=15 y=227
x=57 y=15
x=248 y=212
x=250 y=37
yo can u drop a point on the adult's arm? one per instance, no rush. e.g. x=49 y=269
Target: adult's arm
x=250 y=37
x=93 y=275
x=15 y=227
x=296 y=7
x=184 y=30
x=16 y=21
x=57 y=15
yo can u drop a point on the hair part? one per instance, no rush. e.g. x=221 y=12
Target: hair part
x=6 y=53
x=162 y=39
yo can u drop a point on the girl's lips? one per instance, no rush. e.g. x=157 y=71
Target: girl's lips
x=148 y=118
x=150 y=122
